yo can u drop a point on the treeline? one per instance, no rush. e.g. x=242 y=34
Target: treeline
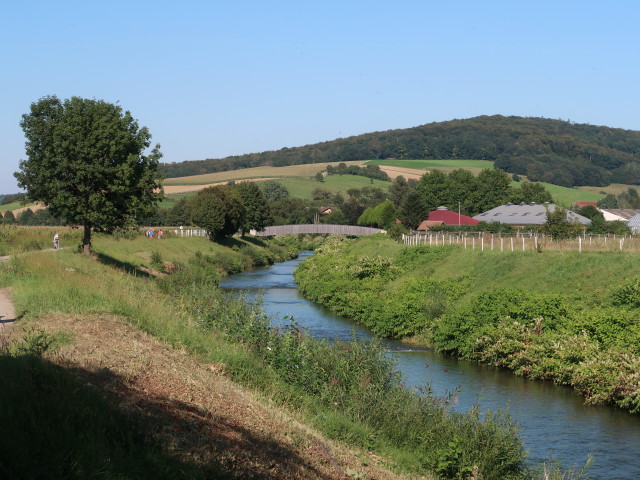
x=368 y=171
x=28 y=217
x=555 y=151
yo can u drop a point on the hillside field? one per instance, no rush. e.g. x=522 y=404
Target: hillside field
x=307 y=170
x=298 y=179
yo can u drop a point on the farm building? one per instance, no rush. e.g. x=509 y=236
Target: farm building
x=634 y=224
x=622 y=214
x=526 y=214
x=447 y=217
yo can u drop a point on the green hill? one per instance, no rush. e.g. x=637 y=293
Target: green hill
x=554 y=151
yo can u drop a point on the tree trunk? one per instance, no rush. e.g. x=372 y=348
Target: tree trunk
x=86 y=239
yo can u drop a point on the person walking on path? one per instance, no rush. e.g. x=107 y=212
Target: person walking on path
x=56 y=241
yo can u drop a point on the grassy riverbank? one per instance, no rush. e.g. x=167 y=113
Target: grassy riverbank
x=126 y=371
x=565 y=316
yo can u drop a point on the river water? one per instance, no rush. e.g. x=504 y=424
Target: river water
x=553 y=420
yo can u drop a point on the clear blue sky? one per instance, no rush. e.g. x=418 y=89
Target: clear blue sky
x=213 y=78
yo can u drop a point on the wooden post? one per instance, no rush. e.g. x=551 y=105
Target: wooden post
x=523 y=243
x=512 y=244
x=579 y=245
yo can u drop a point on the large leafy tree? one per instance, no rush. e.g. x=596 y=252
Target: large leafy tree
x=218 y=210
x=257 y=213
x=86 y=162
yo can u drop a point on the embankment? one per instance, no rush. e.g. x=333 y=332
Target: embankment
x=570 y=317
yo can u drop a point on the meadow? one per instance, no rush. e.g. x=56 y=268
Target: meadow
x=306 y=170
x=439 y=164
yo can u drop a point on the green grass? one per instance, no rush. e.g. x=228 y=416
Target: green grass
x=567 y=196
x=614 y=189
x=306 y=170
x=15 y=205
x=427 y=164
x=303 y=187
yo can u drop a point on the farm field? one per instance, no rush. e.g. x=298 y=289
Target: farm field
x=475 y=166
x=297 y=179
x=307 y=170
x=303 y=187
x=567 y=196
x=614 y=188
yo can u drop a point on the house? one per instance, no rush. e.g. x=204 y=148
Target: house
x=427 y=224
x=325 y=210
x=447 y=217
x=526 y=214
x=622 y=214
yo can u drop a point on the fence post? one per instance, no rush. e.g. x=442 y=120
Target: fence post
x=473 y=243
x=523 y=243
x=579 y=244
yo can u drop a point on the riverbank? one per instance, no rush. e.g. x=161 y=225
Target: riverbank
x=107 y=376
x=111 y=406
x=563 y=316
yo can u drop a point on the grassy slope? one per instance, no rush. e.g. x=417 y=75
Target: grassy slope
x=307 y=170
x=56 y=290
x=303 y=187
x=428 y=164
x=589 y=275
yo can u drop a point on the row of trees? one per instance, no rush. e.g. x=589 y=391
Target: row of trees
x=369 y=171
x=627 y=199
x=30 y=217
x=460 y=191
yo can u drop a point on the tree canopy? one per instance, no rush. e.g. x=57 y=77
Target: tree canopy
x=86 y=162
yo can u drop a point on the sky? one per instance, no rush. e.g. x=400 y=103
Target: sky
x=212 y=79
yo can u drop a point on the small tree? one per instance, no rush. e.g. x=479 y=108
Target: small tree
x=257 y=213
x=218 y=210
x=86 y=163
x=559 y=226
x=9 y=218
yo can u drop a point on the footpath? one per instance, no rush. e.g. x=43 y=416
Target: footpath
x=7 y=314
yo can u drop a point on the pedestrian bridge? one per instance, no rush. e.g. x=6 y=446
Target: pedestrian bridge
x=317 y=228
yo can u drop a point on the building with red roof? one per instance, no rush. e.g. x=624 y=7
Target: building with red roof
x=447 y=217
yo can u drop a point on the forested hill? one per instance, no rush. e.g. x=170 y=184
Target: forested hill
x=555 y=151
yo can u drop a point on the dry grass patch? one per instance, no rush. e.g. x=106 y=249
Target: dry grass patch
x=193 y=410
x=306 y=170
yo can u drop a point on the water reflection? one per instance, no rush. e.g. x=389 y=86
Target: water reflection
x=552 y=419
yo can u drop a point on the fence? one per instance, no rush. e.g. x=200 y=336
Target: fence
x=525 y=242
x=190 y=232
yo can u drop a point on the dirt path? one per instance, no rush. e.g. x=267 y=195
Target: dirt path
x=7 y=314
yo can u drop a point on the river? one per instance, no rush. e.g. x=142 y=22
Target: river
x=553 y=420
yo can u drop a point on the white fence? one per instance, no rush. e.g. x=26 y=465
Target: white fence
x=190 y=232
x=524 y=241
